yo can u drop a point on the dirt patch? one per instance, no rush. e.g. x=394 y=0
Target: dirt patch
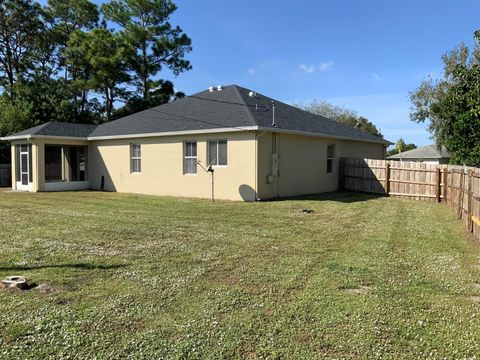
x=46 y=289
x=357 y=290
x=476 y=286
x=303 y=336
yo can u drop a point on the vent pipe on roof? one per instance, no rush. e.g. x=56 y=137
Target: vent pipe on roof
x=273 y=114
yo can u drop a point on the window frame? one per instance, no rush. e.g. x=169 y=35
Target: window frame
x=135 y=158
x=185 y=157
x=331 y=159
x=217 y=141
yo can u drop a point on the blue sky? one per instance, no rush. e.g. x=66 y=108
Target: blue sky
x=365 y=55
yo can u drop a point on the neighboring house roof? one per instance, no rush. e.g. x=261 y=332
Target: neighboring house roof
x=424 y=152
x=232 y=108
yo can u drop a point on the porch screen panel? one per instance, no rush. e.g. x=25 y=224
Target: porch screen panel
x=73 y=161
x=30 y=172
x=24 y=164
x=17 y=162
x=82 y=163
x=53 y=163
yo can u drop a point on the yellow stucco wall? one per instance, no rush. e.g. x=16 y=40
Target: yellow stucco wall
x=303 y=163
x=162 y=167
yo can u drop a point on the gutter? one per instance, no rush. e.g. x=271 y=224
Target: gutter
x=194 y=132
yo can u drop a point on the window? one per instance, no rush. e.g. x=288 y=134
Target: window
x=217 y=152
x=330 y=157
x=136 y=156
x=190 y=157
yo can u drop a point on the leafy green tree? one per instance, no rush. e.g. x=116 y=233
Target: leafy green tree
x=156 y=44
x=163 y=94
x=451 y=105
x=400 y=147
x=340 y=114
x=20 y=22
x=101 y=54
x=67 y=17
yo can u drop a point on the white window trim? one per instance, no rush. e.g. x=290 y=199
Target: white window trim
x=132 y=158
x=208 y=152
x=331 y=158
x=185 y=157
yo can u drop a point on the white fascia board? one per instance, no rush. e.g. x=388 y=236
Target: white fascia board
x=29 y=137
x=306 y=133
x=173 y=133
x=17 y=137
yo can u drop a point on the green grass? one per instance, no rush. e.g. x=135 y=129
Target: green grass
x=150 y=277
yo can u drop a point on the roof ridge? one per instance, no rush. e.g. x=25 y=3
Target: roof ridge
x=247 y=107
x=43 y=126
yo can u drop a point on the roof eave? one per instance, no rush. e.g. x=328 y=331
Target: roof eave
x=173 y=133
x=29 y=137
x=308 y=133
x=16 y=137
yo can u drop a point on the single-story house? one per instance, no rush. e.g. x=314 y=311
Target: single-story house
x=430 y=154
x=258 y=148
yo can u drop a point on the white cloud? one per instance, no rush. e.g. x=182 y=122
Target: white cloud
x=325 y=66
x=376 y=77
x=310 y=69
x=261 y=67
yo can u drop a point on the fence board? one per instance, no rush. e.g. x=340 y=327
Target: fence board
x=456 y=186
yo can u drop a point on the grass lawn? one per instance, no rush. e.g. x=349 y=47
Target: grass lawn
x=150 y=277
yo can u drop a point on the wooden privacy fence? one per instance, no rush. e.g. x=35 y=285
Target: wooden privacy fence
x=456 y=186
x=5 y=175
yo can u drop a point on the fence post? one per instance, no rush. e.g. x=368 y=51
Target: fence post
x=460 y=195
x=469 y=206
x=437 y=184
x=387 y=178
x=451 y=201
x=445 y=185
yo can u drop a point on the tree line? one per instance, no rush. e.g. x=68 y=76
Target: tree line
x=72 y=60
x=451 y=105
x=340 y=114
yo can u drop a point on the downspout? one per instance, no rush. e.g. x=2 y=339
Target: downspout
x=257 y=136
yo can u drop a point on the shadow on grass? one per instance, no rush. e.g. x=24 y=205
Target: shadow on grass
x=340 y=196
x=81 y=266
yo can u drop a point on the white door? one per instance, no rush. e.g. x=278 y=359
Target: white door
x=24 y=182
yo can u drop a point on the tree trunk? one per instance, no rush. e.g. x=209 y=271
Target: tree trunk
x=144 y=73
x=9 y=69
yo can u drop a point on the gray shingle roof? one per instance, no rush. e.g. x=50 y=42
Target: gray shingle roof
x=424 y=152
x=232 y=107
x=54 y=128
